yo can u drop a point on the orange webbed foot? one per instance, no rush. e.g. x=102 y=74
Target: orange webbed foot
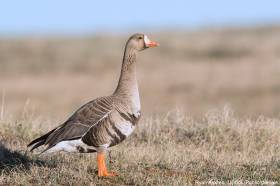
x=107 y=174
x=102 y=169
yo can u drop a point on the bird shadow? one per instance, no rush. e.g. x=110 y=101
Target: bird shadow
x=18 y=161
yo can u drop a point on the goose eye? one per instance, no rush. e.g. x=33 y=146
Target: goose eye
x=140 y=37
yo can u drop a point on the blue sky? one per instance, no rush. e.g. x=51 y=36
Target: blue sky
x=87 y=16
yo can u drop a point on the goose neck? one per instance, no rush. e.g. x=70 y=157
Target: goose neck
x=128 y=82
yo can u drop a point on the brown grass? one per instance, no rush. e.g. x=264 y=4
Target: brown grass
x=172 y=149
x=196 y=71
x=43 y=80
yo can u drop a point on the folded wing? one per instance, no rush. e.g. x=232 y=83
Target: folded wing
x=78 y=124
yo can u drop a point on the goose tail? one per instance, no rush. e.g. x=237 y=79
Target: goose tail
x=39 y=141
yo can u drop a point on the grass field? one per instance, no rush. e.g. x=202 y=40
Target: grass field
x=210 y=100
x=173 y=149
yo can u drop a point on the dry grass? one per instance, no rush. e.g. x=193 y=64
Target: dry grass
x=42 y=80
x=173 y=149
x=196 y=71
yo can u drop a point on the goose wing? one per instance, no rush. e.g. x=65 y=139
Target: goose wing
x=78 y=124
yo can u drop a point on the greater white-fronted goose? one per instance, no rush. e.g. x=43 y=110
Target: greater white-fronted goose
x=105 y=121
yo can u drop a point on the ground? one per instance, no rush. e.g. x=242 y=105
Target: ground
x=172 y=149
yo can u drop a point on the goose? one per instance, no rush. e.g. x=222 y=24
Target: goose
x=103 y=122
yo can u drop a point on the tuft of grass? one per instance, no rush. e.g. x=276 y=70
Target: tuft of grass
x=169 y=149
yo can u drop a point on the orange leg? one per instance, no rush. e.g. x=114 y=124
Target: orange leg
x=102 y=169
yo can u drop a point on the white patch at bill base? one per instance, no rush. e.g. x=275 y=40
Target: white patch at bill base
x=146 y=40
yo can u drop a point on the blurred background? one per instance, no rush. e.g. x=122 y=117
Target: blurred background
x=57 y=55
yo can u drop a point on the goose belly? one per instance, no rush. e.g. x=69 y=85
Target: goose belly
x=118 y=127
x=126 y=128
x=71 y=146
x=120 y=132
x=108 y=133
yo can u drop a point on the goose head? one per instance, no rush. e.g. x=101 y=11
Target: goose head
x=140 y=42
